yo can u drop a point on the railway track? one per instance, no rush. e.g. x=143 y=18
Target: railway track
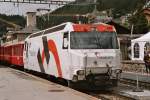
x=143 y=85
x=111 y=96
x=125 y=84
x=115 y=94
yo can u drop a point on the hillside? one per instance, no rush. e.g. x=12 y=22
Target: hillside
x=119 y=8
x=12 y=21
x=16 y=19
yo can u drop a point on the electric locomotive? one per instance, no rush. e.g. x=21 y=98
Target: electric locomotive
x=86 y=53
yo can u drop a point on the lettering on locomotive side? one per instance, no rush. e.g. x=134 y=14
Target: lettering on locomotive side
x=106 y=57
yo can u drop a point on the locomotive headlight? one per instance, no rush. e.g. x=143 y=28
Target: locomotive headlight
x=75 y=78
x=80 y=72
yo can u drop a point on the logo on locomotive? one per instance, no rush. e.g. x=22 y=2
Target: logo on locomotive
x=48 y=46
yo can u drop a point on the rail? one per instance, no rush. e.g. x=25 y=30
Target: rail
x=110 y=96
x=137 y=67
x=134 y=83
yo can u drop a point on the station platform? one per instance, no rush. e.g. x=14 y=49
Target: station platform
x=142 y=95
x=17 y=85
x=128 y=91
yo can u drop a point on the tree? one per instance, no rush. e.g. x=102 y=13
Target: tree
x=140 y=23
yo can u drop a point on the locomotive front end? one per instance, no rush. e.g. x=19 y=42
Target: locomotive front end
x=95 y=57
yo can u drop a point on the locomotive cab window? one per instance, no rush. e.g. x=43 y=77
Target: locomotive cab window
x=93 y=40
x=65 y=40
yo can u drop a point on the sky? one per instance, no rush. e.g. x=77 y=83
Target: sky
x=22 y=8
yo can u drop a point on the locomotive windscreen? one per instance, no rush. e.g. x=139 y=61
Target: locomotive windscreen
x=93 y=40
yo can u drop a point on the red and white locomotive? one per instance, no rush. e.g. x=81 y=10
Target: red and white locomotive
x=75 y=52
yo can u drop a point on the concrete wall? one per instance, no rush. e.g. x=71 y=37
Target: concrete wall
x=31 y=19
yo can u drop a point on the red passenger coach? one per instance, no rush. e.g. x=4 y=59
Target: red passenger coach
x=7 y=54
x=17 y=54
x=12 y=54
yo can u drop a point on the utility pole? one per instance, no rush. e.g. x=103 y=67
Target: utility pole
x=95 y=7
x=132 y=28
x=93 y=15
x=48 y=10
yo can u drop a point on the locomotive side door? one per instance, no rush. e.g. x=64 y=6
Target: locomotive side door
x=65 y=57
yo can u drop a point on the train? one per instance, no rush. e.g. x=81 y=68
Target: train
x=85 y=53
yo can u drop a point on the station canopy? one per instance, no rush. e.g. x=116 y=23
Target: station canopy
x=140 y=46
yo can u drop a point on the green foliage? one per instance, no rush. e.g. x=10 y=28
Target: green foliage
x=43 y=23
x=120 y=7
x=16 y=19
x=139 y=20
x=19 y=20
x=140 y=23
x=74 y=9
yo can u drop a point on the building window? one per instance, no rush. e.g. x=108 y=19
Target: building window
x=136 y=50
x=146 y=47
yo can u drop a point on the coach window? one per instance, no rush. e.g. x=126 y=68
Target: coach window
x=65 y=40
x=136 y=50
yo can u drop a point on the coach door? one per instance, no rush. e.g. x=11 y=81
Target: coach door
x=26 y=50
x=26 y=54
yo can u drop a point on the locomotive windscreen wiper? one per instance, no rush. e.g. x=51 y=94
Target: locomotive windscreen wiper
x=98 y=40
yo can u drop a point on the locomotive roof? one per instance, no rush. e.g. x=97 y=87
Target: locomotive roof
x=101 y=27
x=50 y=30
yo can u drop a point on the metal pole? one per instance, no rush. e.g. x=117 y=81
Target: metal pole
x=132 y=28
x=137 y=81
x=48 y=15
x=137 y=89
x=85 y=63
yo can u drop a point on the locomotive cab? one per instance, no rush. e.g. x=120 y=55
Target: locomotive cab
x=95 y=56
